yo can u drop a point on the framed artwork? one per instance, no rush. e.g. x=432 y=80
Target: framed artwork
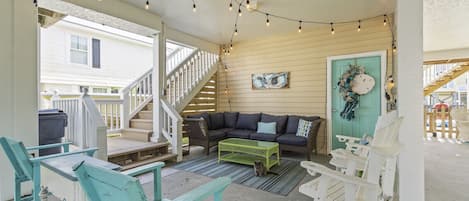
x=270 y=80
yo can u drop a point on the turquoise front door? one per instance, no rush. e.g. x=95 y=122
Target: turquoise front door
x=369 y=108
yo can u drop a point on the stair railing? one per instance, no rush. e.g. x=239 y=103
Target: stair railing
x=433 y=72
x=171 y=127
x=86 y=127
x=177 y=57
x=182 y=82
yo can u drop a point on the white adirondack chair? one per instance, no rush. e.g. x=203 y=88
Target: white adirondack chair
x=377 y=183
x=353 y=146
x=461 y=116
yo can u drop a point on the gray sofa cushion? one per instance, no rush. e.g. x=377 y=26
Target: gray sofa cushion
x=240 y=133
x=217 y=120
x=292 y=123
x=292 y=139
x=230 y=119
x=218 y=134
x=263 y=137
x=281 y=121
x=248 y=121
x=205 y=116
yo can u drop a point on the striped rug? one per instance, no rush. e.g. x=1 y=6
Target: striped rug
x=287 y=176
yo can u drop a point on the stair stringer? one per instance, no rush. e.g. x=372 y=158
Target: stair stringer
x=445 y=79
x=188 y=97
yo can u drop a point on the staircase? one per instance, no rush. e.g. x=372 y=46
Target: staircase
x=438 y=75
x=186 y=76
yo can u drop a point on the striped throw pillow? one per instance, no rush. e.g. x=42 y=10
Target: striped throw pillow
x=303 y=128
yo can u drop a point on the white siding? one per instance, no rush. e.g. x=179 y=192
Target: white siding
x=122 y=59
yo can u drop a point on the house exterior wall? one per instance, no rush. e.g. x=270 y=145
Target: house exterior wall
x=122 y=59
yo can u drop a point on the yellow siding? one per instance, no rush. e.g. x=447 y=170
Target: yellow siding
x=304 y=56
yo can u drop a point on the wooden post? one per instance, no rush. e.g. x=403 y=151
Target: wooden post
x=159 y=80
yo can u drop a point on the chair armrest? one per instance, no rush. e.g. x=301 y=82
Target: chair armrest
x=314 y=168
x=214 y=187
x=343 y=138
x=89 y=151
x=144 y=169
x=64 y=144
x=197 y=128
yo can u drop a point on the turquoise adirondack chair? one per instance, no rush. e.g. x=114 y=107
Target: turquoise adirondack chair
x=107 y=185
x=28 y=168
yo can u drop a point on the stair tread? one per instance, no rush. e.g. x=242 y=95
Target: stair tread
x=146 y=111
x=137 y=130
x=140 y=146
x=142 y=120
x=163 y=157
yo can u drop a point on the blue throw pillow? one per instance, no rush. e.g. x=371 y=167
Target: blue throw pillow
x=266 y=128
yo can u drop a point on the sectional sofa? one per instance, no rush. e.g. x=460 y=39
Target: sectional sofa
x=207 y=129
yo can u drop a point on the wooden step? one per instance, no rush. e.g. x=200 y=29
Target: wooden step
x=131 y=153
x=137 y=134
x=145 y=114
x=146 y=124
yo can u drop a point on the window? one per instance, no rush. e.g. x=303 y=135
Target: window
x=83 y=88
x=79 y=50
x=99 y=90
x=96 y=47
x=114 y=90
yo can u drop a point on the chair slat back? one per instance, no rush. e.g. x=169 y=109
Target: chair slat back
x=101 y=184
x=18 y=156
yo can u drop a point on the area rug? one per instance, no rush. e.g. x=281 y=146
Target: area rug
x=283 y=179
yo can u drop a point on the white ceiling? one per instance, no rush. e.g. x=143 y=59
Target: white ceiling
x=445 y=24
x=213 y=21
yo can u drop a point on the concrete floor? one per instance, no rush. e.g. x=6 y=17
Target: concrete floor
x=446 y=170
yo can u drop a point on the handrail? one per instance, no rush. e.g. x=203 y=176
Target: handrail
x=171 y=111
x=188 y=58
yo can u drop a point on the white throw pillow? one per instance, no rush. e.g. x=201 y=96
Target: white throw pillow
x=303 y=128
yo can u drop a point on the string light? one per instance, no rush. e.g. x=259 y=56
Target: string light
x=359 y=26
x=236 y=30
x=267 y=21
x=332 y=28
x=299 y=27
x=231 y=46
x=231 y=6
x=147 y=5
x=239 y=10
x=194 y=7
x=247 y=4
x=385 y=21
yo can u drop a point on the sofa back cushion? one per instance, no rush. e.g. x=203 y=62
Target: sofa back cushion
x=217 y=120
x=248 y=121
x=280 y=120
x=292 y=123
x=205 y=116
x=267 y=127
x=230 y=119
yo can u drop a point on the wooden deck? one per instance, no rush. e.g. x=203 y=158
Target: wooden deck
x=132 y=153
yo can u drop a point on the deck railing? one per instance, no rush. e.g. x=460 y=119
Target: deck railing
x=440 y=121
x=86 y=127
x=110 y=110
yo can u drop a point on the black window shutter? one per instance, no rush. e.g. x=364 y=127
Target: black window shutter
x=96 y=53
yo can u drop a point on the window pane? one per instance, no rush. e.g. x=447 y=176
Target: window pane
x=74 y=41
x=83 y=44
x=100 y=90
x=78 y=57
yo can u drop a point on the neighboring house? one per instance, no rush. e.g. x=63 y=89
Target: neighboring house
x=78 y=54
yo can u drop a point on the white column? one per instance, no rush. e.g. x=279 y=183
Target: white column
x=158 y=82
x=18 y=78
x=409 y=17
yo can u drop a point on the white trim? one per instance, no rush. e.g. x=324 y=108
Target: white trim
x=383 y=55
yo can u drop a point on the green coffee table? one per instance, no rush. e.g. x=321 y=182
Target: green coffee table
x=245 y=152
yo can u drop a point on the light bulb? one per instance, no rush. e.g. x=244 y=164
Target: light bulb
x=239 y=12
x=236 y=32
x=267 y=21
x=231 y=7
x=194 y=8
x=147 y=5
x=299 y=27
x=231 y=46
x=247 y=4
x=332 y=28
x=385 y=21
x=359 y=26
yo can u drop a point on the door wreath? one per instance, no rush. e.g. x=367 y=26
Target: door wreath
x=353 y=83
